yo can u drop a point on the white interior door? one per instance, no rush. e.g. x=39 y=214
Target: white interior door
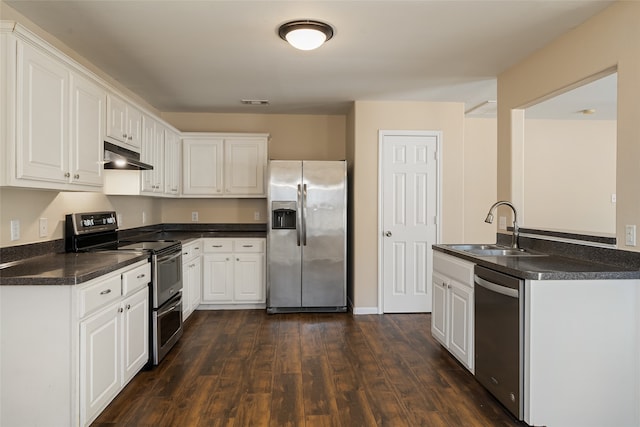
x=409 y=170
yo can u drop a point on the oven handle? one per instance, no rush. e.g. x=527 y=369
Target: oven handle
x=169 y=309
x=169 y=257
x=503 y=290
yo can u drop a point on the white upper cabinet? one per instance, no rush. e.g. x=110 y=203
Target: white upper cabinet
x=124 y=123
x=202 y=166
x=42 y=143
x=88 y=115
x=53 y=120
x=152 y=152
x=229 y=165
x=172 y=163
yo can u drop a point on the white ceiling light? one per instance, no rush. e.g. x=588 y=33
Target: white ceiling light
x=305 y=34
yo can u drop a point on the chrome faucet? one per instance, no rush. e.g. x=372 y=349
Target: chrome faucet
x=516 y=230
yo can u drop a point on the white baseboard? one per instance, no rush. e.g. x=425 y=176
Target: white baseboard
x=364 y=310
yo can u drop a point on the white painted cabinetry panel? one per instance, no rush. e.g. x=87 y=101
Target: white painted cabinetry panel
x=452 y=311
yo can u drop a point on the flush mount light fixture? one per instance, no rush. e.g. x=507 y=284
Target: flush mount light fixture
x=305 y=34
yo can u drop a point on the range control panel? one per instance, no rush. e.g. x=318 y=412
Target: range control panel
x=92 y=222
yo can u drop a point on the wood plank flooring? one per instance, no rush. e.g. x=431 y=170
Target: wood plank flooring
x=248 y=368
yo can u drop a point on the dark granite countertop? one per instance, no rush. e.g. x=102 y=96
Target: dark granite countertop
x=66 y=268
x=46 y=264
x=547 y=267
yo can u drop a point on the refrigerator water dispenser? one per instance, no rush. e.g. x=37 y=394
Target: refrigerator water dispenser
x=283 y=215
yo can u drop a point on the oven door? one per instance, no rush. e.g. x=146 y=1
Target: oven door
x=167 y=327
x=167 y=277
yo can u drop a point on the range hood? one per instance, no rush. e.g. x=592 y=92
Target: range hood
x=116 y=157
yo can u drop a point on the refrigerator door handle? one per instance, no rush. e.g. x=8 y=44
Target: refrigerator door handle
x=299 y=214
x=304 y=215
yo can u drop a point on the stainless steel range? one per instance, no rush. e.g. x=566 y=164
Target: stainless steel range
x=98 y=231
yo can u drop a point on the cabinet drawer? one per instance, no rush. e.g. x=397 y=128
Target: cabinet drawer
x=99 y=294
x=136 y=279
x=248 y=245
x=191 y=250
x=218 y=245
x=453 y=267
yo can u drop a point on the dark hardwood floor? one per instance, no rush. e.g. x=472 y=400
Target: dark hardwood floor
x=248 y=368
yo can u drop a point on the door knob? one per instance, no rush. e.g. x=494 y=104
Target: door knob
x=388 y=234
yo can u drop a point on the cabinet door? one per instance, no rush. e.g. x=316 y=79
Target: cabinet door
x=147 y=154
x=172 y=163
x=134 y=128
x=248 y=278
x=439 y=309
x=186 y=289
x=42 y=117
x=87 y=131
x=460 y=314
x=158 y=159
x=99 y=361
x=202 y=166
x=116 y=118
x=245 y=165
x=217 y=283
x=135 y=334
x=195 y=282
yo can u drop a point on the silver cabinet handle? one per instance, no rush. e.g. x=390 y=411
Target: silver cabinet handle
x=120 y=310
x=227 y=259
x=216 y=246
x=130 y=138
x=197 y=249
x=128 y=306
x=105 y=292
x=247 y=246
x=388 y=234
x=67 y=175
x=237 y=259
x=140 y=276
x=124 y=135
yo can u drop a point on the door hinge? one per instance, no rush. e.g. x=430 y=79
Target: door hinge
x=435 y=155
x=435 y=220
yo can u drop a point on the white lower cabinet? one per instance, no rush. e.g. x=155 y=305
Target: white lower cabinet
x=67 y=351
x=452 y=312
x=233 y=271
x=191 y=277
x=113 y=348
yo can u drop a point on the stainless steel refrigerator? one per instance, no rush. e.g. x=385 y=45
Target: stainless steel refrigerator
x=307 y=236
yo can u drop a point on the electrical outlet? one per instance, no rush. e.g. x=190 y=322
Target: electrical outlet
x=194 y=216
x=15 y=229
x=630 y=235
x=256 y=215
x=613 y=198
x=144 y=217
x=119 y=219
x=44 y=227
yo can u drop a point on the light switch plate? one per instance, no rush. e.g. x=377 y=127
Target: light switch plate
x=15 y=229
x=194 y=216
x=43 y=227
x=630 y=235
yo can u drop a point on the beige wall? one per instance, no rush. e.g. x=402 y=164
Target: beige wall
x=570 y=175
x=480 y=141
x=368 y=118
x=611 y=38
x=293 y=137
x=28 y=206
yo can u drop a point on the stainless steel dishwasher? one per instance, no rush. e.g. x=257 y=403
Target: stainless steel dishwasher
x=499 y=326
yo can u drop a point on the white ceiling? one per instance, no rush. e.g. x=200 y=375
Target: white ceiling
x=207 y=55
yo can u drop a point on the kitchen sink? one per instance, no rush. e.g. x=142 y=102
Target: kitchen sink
x=493 y=250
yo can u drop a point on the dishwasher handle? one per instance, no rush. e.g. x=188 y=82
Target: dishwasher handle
x=494 y=287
